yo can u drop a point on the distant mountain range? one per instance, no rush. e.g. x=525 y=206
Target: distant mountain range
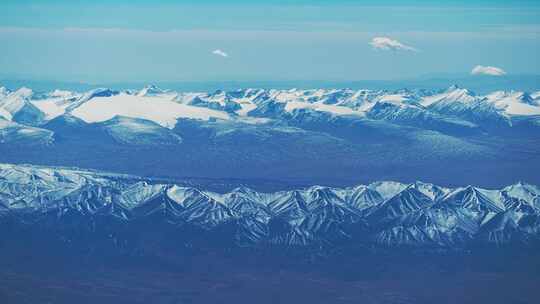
x=482 y=84
x=332 y=136
x=451 y=110
x=84 y=208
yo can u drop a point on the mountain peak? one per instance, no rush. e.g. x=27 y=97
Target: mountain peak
x=99 y=92
x=3 y=92
x=527 y=98
x=151 y=90
x=24 y=92
x=453 y=88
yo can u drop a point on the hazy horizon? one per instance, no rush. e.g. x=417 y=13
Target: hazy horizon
x=113 y=41
x=481 y=85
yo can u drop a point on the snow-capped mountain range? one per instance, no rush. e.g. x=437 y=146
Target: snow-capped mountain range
x=330 y=136
x=71 y=204
x=452 y=107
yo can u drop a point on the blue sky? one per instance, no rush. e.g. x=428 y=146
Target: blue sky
x=107 y=41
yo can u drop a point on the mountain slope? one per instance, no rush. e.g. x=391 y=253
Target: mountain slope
x=16 y=106
x=12 y=133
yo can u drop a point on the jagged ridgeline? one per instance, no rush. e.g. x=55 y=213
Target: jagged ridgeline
x=69 y=207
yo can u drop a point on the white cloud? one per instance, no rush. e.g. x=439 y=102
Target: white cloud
x=386 y=44
x=487 y=70
x=220 y=53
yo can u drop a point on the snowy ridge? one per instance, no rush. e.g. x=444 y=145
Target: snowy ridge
x=382 y=213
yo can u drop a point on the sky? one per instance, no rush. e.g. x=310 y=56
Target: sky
x=340 y=40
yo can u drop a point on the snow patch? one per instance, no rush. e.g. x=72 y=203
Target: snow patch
x=163 y=111
x=514 y=103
